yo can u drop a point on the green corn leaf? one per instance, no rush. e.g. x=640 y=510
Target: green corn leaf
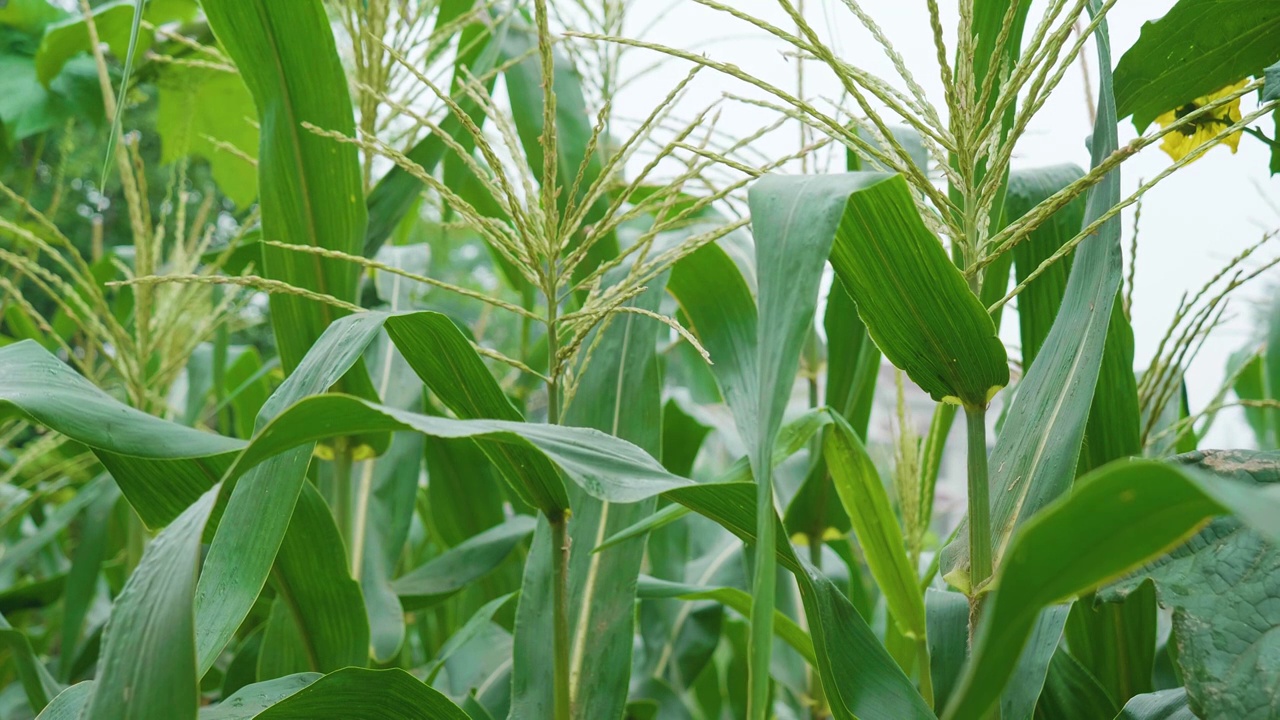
x=313 y=577
x=1271 y=366
x=1249 y=369
x=606 y=467
x=794 y=436
x=445 y=361
x=1070 y=691
x=1115 y=519
x=1162 y=705
x=252 y=699
x=717 y=301
x=1221 y=590
x=865 y=500
x=161 y=467
x=948 y=618
x=147 y=668
x=353 y=692
x=392 y=489
x=69 y=704
x=309 y=186
x=784 y=627
x=620 y=394
x=464 y=492
x=1038 y=304
x=39 y=686
x=914 y=302
x=82 y=581
x=261 y=504
x=859 y=676
x=461 y=565
x=794 y=222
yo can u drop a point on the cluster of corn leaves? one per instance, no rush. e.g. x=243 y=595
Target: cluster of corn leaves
x=255 y=599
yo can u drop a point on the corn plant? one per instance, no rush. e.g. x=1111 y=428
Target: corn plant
x=388 y=372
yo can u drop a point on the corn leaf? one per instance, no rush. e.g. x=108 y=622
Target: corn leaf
x=454 y=569
x=867 y=503
x=1114 y=520
x=913 y=301
x=309 y=186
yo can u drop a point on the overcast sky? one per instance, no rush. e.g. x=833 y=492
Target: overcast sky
x=1191 y=225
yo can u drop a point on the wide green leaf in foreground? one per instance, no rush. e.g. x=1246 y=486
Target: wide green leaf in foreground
x=1115 y=519
x=1222 y=587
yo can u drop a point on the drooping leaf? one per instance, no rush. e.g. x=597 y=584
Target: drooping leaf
x=69 y=704
x=251 y=699
x=38 y=386
x=784 y=627
x=1114 y=519
x=1221 y=586
x=913 y=300
x=1195 y=49
x=355 y=692
x=1162 y=705
x=445 y=361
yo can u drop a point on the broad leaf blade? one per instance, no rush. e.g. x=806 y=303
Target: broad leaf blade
x=309 y=186
x=1221 y=588
x=147 y=668
x=914 y=302
x=1197 y=48
x=1114 y=520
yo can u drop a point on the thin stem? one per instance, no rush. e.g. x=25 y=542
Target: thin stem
x=926 y=672
x=979 y=509
x=342 y=460
x=560 y=592
x=763 y=589
x=559 y=534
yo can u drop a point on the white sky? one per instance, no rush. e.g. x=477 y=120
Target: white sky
x=1192 y=224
